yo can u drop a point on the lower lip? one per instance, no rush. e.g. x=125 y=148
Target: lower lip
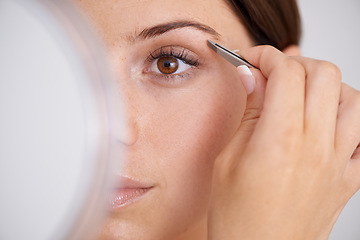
x=123 y=197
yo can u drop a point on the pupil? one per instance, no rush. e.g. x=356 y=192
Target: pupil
x=167 y=64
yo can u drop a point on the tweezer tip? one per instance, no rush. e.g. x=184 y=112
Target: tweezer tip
x=212 y=45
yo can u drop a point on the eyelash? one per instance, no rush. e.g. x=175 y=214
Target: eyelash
x=169 y=51
x=178 y=52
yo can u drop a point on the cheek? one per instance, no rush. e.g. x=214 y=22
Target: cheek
x=184 y=132
x=194 y=129
x=193 y=126
x=213 y=114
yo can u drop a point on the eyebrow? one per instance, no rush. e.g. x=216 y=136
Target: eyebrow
x=160 y=29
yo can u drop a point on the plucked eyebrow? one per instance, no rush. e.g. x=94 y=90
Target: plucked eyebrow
x=160 y=29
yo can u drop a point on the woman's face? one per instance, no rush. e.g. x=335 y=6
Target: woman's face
x=183 y=103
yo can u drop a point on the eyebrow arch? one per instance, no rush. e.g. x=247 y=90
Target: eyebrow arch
x=160 y=29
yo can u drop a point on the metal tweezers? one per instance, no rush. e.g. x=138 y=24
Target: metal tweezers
x=229 y=55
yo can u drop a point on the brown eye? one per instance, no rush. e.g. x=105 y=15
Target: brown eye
x=167 y=65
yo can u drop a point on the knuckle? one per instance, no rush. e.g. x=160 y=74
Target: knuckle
x=269 y=52
x=270 y=49
x=294 y=67
x=351 y=95
x=330 y=70
x=357 y=94
x=285 y=140
x=357 y=99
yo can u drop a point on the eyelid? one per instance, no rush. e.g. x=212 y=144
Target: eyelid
x=179 y=52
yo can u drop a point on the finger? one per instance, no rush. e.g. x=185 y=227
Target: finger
x=284 y=101
x=352 y=173
x=356 y=155
x=323 y=85
x=226 y=161
x=348 y=123
x=253 y=108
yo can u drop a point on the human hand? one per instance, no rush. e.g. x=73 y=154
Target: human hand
x=295 y=160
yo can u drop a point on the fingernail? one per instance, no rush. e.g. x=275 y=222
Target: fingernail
x=247 y=78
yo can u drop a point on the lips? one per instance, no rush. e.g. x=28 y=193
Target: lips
x=127 y=192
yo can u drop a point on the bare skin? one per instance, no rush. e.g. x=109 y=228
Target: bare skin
x=295 y=161
x=278 y=164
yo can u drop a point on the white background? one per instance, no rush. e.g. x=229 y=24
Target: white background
x=331 y=31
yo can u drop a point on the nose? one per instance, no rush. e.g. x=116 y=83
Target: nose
x=125 y=129
x=130 y=132
x=122 y=119
x=129 y=125
x=127 y=95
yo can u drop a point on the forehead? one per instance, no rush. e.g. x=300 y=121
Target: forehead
x=126 y=18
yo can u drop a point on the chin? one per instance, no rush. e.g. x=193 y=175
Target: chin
x=115 y=229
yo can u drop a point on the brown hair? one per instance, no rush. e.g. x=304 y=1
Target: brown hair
x=270 y=22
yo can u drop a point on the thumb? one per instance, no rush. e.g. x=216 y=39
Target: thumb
x=229 y=157
x=255 y=84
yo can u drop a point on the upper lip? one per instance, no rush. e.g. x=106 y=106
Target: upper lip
x=130 y=183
